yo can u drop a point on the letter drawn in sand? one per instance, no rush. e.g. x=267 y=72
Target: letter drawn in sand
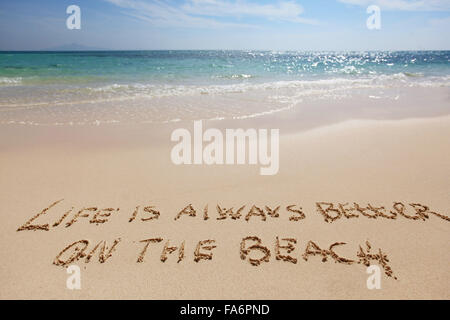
x=144 y=250
x=154 y=214
x=300 y=215
x=205 y=213
x=80 y=214
x=237 y=215
x=273 y=212
x=365 y=257
x=77 y=248
x=327 y=212
x=188 y=210
x=204 y=245
x=103 y=255
x=347 y=212
x=224 y=213
x=98 y=215
x=133 y=216
x=168 y=250
x=28 y=226
x=289 y=248
x=423 y=211
x=57 y=223
x=255 y=247
x=255 y=211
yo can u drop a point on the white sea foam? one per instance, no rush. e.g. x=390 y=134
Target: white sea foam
x=376 y=81
x=156 y=103
x=5 y=81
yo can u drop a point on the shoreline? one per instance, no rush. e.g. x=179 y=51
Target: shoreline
x=301 y=118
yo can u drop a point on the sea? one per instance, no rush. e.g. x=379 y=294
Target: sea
x=122 y=87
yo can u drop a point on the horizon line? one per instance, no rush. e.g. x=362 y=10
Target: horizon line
x=259 y=50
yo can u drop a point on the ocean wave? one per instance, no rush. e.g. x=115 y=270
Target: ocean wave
x=375 y=81
x=242 y=76
x=413 y=75
x=283 y=90
x=5 y=81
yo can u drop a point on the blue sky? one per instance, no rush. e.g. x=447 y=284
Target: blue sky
x=227 y=24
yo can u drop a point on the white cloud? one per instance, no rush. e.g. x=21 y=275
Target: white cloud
x=404 y=5
x=204 y=13
x=282 y=11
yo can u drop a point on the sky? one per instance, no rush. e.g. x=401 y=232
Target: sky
x=226 y=24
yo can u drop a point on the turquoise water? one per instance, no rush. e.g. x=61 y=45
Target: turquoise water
x=211 y=67
x=160 y=86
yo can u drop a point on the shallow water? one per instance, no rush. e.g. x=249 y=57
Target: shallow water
x=76 y=88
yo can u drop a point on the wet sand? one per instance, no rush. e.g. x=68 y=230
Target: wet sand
x=378 y=162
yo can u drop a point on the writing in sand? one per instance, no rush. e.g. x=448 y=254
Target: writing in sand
x=252 y=249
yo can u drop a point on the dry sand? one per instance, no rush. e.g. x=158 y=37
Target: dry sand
x=376 y=162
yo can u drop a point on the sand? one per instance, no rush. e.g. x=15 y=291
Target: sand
x=368 y=162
